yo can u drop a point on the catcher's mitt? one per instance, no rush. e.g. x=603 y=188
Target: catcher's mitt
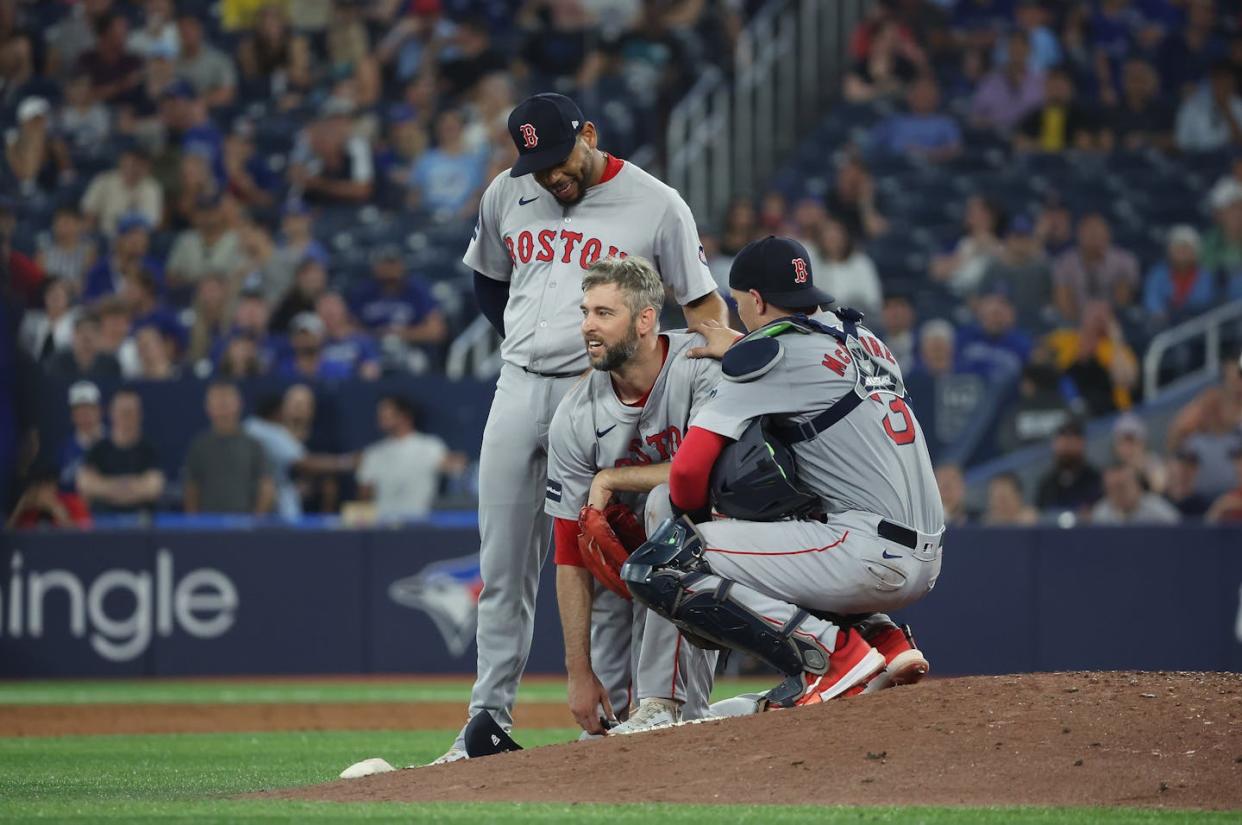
x=606 y=539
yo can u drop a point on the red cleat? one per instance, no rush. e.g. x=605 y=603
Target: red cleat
x=904 y=664
x=850 y=666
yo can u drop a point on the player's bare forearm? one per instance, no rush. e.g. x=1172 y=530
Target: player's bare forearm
x=709 y=307
x=625 y=480
x=573 y=598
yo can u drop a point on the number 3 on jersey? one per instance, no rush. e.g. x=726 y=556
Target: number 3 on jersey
x=899 y=414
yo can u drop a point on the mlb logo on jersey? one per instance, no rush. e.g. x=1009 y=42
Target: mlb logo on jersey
x=448 y=591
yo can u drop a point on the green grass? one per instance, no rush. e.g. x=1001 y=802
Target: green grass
x=188 y=778
x=197 y=691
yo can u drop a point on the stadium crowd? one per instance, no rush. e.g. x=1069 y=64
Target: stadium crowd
x=239 y=189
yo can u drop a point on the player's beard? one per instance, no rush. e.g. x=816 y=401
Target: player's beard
x=619 y=353
x=579 y=190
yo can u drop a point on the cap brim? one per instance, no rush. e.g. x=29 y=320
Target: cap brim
x=798 y=297
x=542 y=159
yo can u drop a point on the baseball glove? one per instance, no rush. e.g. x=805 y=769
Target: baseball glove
x=606 y=539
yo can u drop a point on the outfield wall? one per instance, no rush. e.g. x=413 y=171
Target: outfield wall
x=271 y=601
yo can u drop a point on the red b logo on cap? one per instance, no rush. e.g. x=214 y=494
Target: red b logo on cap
x=528 y=135
x=800 y=273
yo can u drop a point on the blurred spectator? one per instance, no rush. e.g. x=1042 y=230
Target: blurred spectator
x=1022 y=271
x=1179 y=286
x=953 y=494
x=47 y=331
x=158 y=33
x=1006 y=507
x=401 y=473
x=1186 y=56
x=189 y=129
x=273 y=53
x=844 y=271
x=1060 y=123
x=1054 y=226
x=127 y=258
x=774 y=213
x=944 y=398
x=330 y=163
x=1130 y=448
x=194 y=182
x=852 y=200
x=1044 y=50
x=310 y=280
x=66 y=253
x=18 y=78
x=1097 y=359
x=897 y=318
x=43 y=505
x=296 y=242
x=350 y=54
x=398 y=305
x=449 y=178
x=474 y=56
x=1071 y=483
x=343 y=343
x=305 y=361
x=209 y=69
x=210 y=247
x=280 y=430
x=1125 y=501
x=1211 y=118
x=1142 y=118
x=84 y=360
x=156 y=352
x=115 y=322
x=1181 y=490
x=994 y=347
x=24 y=277
x=406 y=140
x=262 y=269
x=36 y=157
x=1210 y=426
x=210 y=317
x=128 y=189
x=86 y=419
x=1228 y=508
x=1222 y=244
x=115 y=73
x=1010 y=92
x=248 y=177
x=1040 y=411
x=741 y=226
x=892 y=59
x=1093 y=270
x=248 y=342
x=407 y=46
x=121 y=472
x=963 y=268
x=924 y=131
x=225 y=469
x=74 y=34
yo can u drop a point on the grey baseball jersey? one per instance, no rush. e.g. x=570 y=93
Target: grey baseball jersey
x=874 y=460
x=592 y=430
x=526 y=237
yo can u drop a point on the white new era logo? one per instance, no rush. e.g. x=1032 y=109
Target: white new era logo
x=495 y=740
x=575 y=123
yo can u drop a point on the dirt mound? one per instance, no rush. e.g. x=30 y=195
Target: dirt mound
x=72 y=720
x=1134 y=739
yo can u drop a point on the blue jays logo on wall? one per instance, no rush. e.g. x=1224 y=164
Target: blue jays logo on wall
x=448 y=591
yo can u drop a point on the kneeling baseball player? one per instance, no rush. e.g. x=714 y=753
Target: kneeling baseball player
x=609 y=448
x=811 y=449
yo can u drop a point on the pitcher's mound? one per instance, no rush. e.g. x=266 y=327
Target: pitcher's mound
x=1134 y=739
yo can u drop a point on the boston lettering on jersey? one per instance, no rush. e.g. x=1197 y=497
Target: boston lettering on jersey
x=549 y=245
x=665 y=444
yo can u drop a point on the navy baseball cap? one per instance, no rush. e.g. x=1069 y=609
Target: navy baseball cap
x=779 y=269
x=544 y=128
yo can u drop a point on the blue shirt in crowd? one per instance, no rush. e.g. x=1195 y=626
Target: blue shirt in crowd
x=900 y=134
x=351 y=351
x=1159 y=292
x=104 y=279
x=447 y=181
x=992 y=357
x=377 y=310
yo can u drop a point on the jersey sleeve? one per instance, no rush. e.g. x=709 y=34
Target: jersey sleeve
x=679 y=254
x=487 y=253
x=570 y=470
x=705 y=379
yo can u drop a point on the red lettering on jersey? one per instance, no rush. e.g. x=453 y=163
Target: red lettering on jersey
x=834 y=365
x=800 y=273
x=529 y=137
x=888 y=356
x=570 y=239
x=843 y=355
x=509 y=246
x=666 y=442
x=546 y=238
x=526 y=246
x=590 y=252
x=614 y=252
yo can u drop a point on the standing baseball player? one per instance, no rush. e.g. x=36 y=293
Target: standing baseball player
x=564 y=205
x=610 y=445
x=811 y=421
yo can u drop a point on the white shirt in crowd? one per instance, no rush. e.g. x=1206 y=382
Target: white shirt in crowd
x=852 y=282
x=404 y=473
x=283 y=451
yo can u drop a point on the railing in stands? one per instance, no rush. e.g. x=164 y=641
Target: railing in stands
x=727 y=135
x=1208 y=327
x=475 y=353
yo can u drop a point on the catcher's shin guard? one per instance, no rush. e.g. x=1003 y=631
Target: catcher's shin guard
x=669 y=575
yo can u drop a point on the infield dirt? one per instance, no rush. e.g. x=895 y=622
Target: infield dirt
x=1132 y=739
